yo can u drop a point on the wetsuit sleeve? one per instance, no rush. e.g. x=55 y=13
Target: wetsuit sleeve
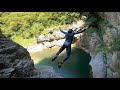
x=63 y=32
x=79 y=31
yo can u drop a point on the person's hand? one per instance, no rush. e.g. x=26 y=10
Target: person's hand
x=60 y=28
x=79 y=30
x=86 y=27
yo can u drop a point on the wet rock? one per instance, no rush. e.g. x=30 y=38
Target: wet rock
x=46 y=72
x=98 y=66
x=6 y=73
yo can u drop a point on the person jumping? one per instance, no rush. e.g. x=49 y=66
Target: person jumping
x=67 y=44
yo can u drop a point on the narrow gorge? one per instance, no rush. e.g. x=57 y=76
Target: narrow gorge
x=101 y=42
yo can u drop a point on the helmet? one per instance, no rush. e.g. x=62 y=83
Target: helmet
x=70 y=31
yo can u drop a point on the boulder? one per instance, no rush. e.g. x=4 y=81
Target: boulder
x=98 y=66
x=42 y=38
x=58 y=35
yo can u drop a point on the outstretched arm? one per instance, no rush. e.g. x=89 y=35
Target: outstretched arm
x=63 y=32
x=81 y=30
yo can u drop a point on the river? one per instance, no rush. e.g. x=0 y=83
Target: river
x=77 y=66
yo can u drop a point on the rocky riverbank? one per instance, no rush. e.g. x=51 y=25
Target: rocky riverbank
x=53 y=39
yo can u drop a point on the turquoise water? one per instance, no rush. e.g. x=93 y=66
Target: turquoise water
x=77 y=66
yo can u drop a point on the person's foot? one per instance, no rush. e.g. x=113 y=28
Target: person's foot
x=60 y=63
x=53 y=59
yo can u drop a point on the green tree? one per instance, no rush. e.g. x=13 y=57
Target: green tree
x=28 y=25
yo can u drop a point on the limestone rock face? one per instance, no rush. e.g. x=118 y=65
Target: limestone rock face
x=98 y=66
x=15 y=60
x=92 y=43
x=111 y=30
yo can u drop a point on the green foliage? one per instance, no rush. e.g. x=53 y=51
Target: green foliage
x=24 y=42
x=91 y=20
x=28 y=25
x=115 y=44
x=91 y=30
x=95 y=22
x=103 y=22
x=118 y=56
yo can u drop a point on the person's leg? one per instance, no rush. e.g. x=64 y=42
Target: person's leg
x=68 y=52
x=60 y=50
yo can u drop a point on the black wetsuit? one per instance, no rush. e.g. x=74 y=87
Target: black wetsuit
x=68 y=42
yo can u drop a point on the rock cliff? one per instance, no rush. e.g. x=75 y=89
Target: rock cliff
x=15 y=62
x=102 y=42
